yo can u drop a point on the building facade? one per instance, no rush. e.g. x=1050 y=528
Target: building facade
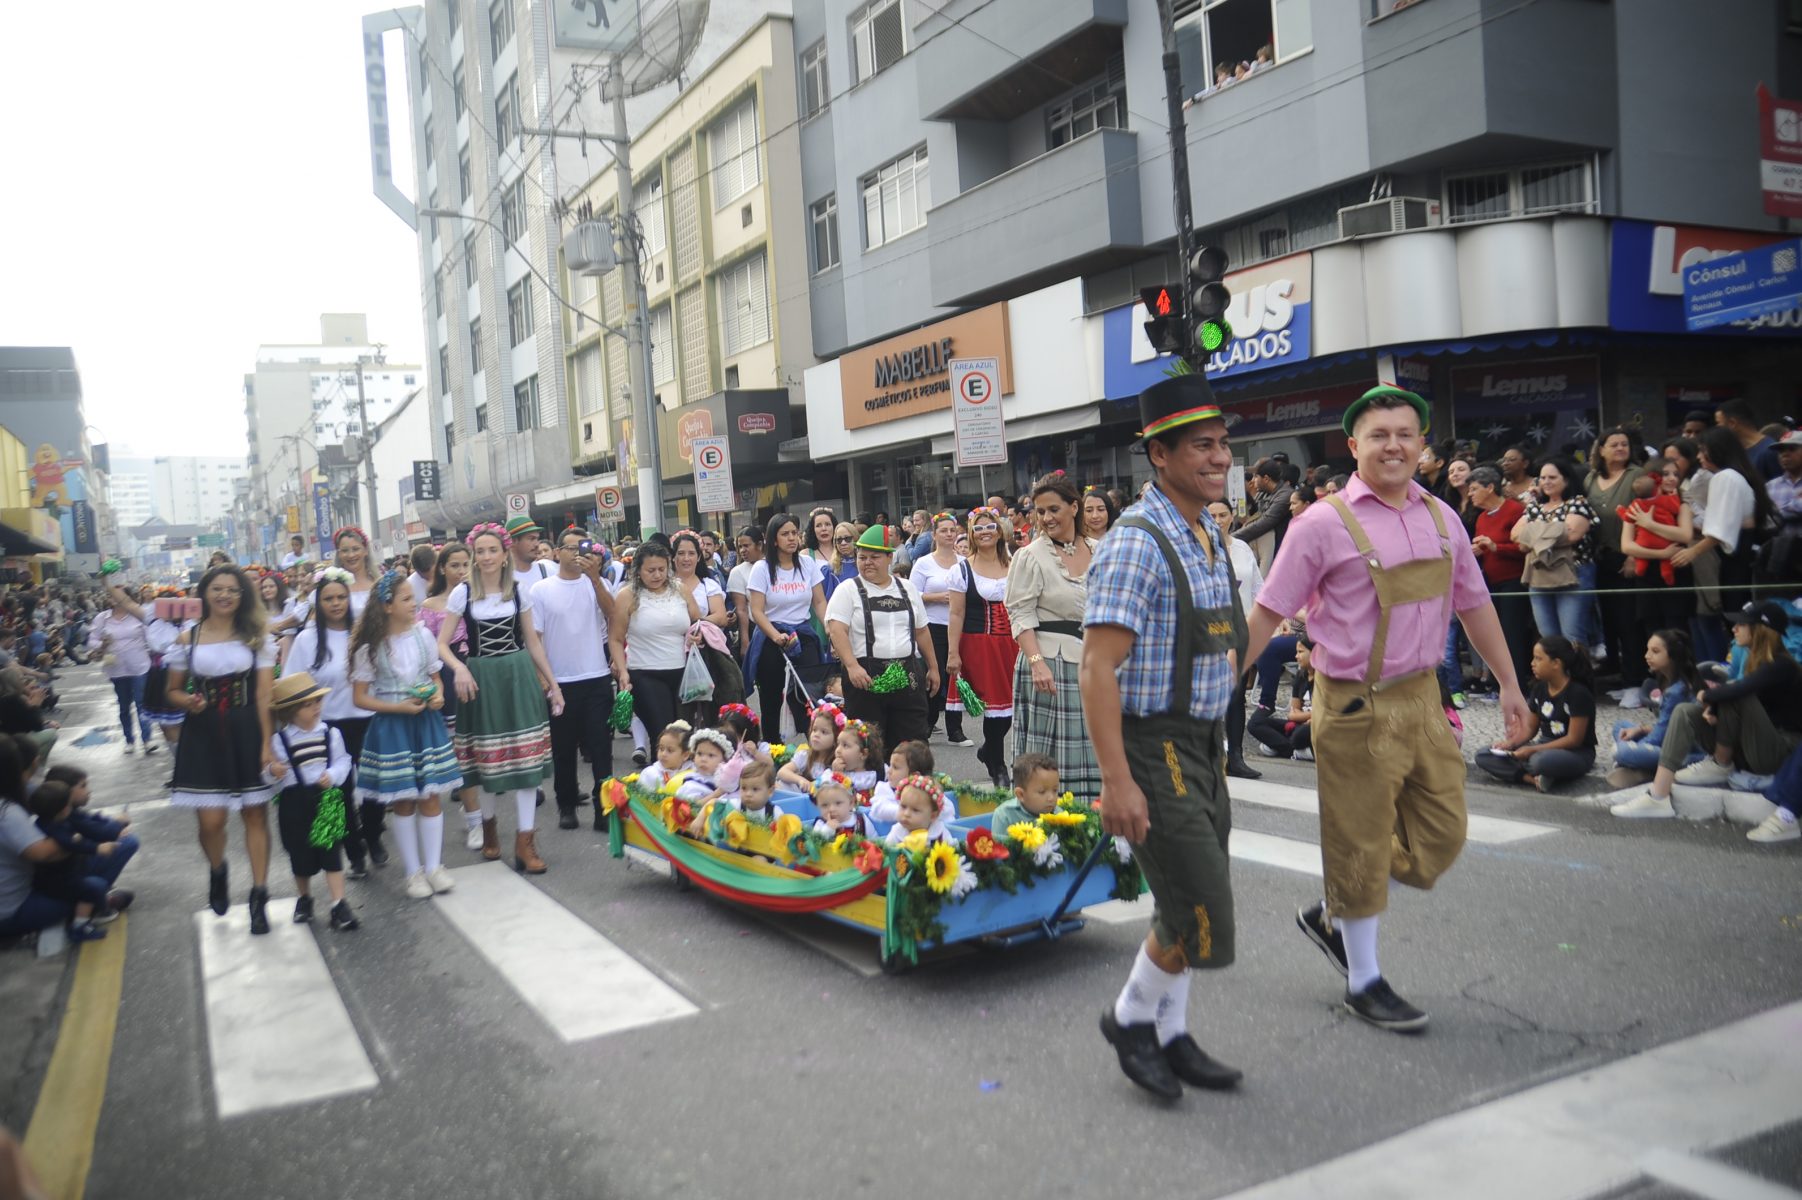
x=1398 y=196
x=41 y=404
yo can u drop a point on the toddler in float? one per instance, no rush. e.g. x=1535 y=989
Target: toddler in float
x=838 y=808
x=922 y=804
x=1035 y=793
x=672 y=757
x=814 y=760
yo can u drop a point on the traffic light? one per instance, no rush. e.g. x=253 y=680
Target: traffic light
x=1165 y=329
x=1209 y=299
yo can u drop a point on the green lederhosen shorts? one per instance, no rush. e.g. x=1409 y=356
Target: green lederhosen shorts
x=1179 y=763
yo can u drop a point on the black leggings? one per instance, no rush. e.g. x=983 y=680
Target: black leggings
x=954 y=721
x=993 y=753
x=654 y=696
x=772 y=684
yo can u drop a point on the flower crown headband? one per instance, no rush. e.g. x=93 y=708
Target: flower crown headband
x=384 y=587
x=837 y=779
x=942 y=516
x=327 y=575
x=983 y=508
x=714 y=737
x=862 y=729
x=499 y=531
x=928 y=785
x=832 y=711
x=338 y=534
x=743 y=710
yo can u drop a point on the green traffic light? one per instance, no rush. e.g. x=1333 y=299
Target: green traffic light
x=1214 y=334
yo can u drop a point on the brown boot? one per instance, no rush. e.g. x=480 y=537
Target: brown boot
x=525 y=854
x=491 y=841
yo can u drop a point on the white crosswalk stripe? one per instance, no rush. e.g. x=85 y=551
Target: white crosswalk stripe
x=579 y=982
x=1292 y=854
x=277 y=1031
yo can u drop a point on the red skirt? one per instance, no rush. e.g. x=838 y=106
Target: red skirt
x=988 y=663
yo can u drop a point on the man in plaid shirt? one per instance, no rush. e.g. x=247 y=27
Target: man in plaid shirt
x=1161 y=620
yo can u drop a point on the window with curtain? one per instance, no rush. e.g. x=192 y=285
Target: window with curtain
x=744 y=305
x=732 y=148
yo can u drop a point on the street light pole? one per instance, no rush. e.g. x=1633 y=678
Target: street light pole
x=638 y=318
x=368 y=443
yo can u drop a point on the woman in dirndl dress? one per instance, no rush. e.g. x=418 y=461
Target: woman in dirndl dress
x=407 y=762
x=1047 y=586
x=503 y=738
x=982 y=650
x=221 y=671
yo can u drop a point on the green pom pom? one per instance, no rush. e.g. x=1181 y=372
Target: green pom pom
x=894 y=678
x=328 y=822
x=621 y=720
x=111 y=566
x=973 y=705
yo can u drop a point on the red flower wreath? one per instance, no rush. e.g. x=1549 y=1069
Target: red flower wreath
x=979 y=843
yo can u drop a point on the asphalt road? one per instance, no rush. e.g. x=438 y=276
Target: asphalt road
x=799 y=1069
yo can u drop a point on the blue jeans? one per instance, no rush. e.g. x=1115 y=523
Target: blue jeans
x=37 y=912
x=1561 y=612
x=130 y=693
x=1451 y=670
x=1278 y=652
x=108 y=866
x=1640 y=755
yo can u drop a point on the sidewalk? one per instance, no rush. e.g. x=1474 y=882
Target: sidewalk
x=34 y=991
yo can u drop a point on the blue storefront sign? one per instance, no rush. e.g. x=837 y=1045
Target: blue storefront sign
x=1270 y=316
x=1646 y=265
x=1743 y=286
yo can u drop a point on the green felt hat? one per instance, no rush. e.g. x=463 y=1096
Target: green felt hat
x=885 y=538
x=1386 y=389
x=521 y=526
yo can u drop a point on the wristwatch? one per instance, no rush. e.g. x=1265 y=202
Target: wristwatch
x=1035 y=658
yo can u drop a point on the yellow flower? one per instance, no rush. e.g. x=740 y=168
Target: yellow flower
x=632 y=778
x=778 y=750
x=1062 y=820
x=737 y=828
x=941 y=867
x=786 y=827
x=915 y=842
x=840 y=842
x=1030 y=836
x=1067 y=801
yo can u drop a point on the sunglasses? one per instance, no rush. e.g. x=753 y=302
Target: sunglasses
x=846 y=538
x=985 y=527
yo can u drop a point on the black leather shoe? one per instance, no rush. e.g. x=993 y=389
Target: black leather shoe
x=378 y=853
x=343 y=920
x=602 y=821
x=259 y=910
x=1193 y=1066
x=1141 y=1058
x=218 y=890
x=1236 y=768
x=1312 y=921
x=566 y=819
x=1379 y=1005
x=303 y=910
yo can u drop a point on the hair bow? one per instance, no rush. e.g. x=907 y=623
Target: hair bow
x=384 y=587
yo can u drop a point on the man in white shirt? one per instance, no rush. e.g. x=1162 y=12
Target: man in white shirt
x=296 y=552
x=572 y=609
x=528 y=568
x=738 y=592
x=877 y=623
x=423 y=560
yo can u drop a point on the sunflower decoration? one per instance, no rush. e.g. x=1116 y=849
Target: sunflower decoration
x=942 y=867
x=780 y=753
x=1069 y=803
x=1029 y=834
x=1062 y=820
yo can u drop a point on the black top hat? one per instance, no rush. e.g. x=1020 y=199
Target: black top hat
x=1172 y=403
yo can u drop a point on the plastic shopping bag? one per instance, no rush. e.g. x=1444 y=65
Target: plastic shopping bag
x=697 y=683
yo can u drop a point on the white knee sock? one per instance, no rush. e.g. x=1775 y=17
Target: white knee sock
x=526 y=801
x=406 y=840
x=1360 y=934
x=487 y=801
x=472 y=820
x=1173 y=1010
x=1148 y=984
x=639 y=735
x=431 y=842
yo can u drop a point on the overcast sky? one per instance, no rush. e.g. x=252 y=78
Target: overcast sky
x=186 y=181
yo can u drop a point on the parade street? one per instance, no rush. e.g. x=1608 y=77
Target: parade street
x=597 y=1032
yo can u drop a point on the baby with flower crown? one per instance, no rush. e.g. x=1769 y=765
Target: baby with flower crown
x=922 y=810
x=837 y=802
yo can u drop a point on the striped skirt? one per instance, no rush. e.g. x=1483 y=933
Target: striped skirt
x=1054 y=725
x=503 y=738
x=406 y=756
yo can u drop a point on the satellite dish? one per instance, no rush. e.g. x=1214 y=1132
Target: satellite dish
x=652 y=40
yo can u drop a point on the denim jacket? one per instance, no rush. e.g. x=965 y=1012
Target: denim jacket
x=1675 y=694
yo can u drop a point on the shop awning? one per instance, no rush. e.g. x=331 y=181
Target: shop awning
x=26 y=531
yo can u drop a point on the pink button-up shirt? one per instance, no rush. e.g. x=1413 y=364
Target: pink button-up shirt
x=1319 y=568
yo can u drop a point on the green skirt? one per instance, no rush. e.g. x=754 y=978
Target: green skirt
x=503 y=737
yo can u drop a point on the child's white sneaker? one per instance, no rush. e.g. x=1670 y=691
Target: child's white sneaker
x=440 y=880
x=418 y=887
x=1780 y=826
x=1645 y=805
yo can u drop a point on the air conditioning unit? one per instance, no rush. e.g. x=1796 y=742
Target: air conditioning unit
x=1394 y=215
x=588 y=249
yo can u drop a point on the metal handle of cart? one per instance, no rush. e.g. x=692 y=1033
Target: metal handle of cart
x=1052 y=926
x=794 y=681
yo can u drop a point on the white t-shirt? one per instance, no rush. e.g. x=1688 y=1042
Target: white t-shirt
x=124 y=637
x=532 y=574
x=1730 y=502
x=928 y=576
x=421 y=586
x=333 y=673
x=789 y=599
x=738 y=582
x=1245 y=566
x=573 y=627
x=290 y=558
x=894 y=630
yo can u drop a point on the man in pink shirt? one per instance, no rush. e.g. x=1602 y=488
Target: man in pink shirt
x=1381 y=567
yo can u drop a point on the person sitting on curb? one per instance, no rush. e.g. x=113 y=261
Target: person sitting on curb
x=1560 y=738
x=1756 y=720
x=1636 y=747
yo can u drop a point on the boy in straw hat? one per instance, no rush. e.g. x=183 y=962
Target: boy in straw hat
x=310 y=761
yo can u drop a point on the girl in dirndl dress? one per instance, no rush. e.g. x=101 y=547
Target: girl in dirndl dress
x=451 y=569
x=407 y=761
x=981 y=640
x=221 y=671
x=503 y=738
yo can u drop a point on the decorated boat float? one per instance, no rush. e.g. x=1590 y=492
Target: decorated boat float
x=1023 y=884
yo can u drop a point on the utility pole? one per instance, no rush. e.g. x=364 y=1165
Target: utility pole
x=368 y=443
x=1179 y=172
x=637 y=314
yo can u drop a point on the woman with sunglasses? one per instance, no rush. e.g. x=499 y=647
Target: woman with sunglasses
x=842 y=564
x=982 y=649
